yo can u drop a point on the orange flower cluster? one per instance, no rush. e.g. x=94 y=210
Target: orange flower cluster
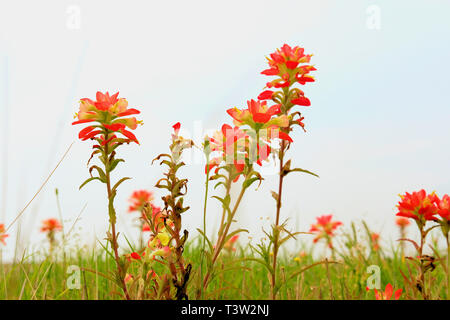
x=324 y=228
x=111 y=115
x=3 y=234
x=51 y=225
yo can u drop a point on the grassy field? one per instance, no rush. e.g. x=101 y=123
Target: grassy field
x=304 y=274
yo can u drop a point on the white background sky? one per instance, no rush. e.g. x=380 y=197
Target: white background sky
x=378 y=125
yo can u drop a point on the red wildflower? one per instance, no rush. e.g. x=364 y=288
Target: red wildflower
x=443 y=206
x=301 y=101
x=230 y=143
x=324 y=228
x=265 y=95
x=387 y=294
x=417 y=205
x=138 y=200
x=135 y=256
x=229 y=245
x=51 y=225
x=258 y=116
x=288 y=64
x=3 y=235
x=402 y=222
x=108 y=112
x=374 y=238
x=146 y=228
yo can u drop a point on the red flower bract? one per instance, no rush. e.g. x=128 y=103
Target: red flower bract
x=387 y=294
x=287 y=63
x=3 y=235
x=443 y=206
x=108 y=112
x=402 y=222
x=259 y=116
x=138 y=200
x=51 y=225
x=417 y=205
x=325 y=228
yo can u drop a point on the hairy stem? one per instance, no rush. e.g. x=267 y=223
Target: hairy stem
x=277 y=221
x=221 y=241
x=448 y=265
x=422 y=268
x=114 y=243
x=204 y=223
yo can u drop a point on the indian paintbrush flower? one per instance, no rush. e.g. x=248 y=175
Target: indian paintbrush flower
x=387 y=293
x=324 y=228
x=3 y=234
x=418 y=206
x=109 y=119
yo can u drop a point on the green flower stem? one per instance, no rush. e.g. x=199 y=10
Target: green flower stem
x=448 y=265
x=112 y=221
x=227 y=193
x=280 y=190
x=422 y=268
x=277 y=221
x=221 y=240
x=204 y=222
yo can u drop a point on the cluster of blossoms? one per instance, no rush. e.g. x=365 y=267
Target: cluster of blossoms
x=140 y=200
x=256 y=130
x=374 y=239
x=51 y=225
x=288 y=64
x=3 y=234
x=324 y=229
x=111 y=115
x=387 y=293
x=259 y=124
x=158 y=246
x=423 y=207
x=165 y=245
x=229 y=245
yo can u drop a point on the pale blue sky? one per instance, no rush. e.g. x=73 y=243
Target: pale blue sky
x=378 y=124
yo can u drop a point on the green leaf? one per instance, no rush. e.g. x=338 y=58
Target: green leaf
x=247 y=183
x=207 y=240
x=219 y=183
x=114 y=164
x=225 y=201
x=293 y=275
x=231 y=234
x=304 y=171
x=118 y=183
x=101 y=174
x=89 y=180
x=263 y=262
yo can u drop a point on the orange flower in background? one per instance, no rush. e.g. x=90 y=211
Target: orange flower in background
x=374 y=237
x=324 y=228
x=111 y=116
x=3 y=235
x=387 y=294
x=402 y=222
x=138 y=200
x=51 y=225
x=417 y=205
x=229 y=245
